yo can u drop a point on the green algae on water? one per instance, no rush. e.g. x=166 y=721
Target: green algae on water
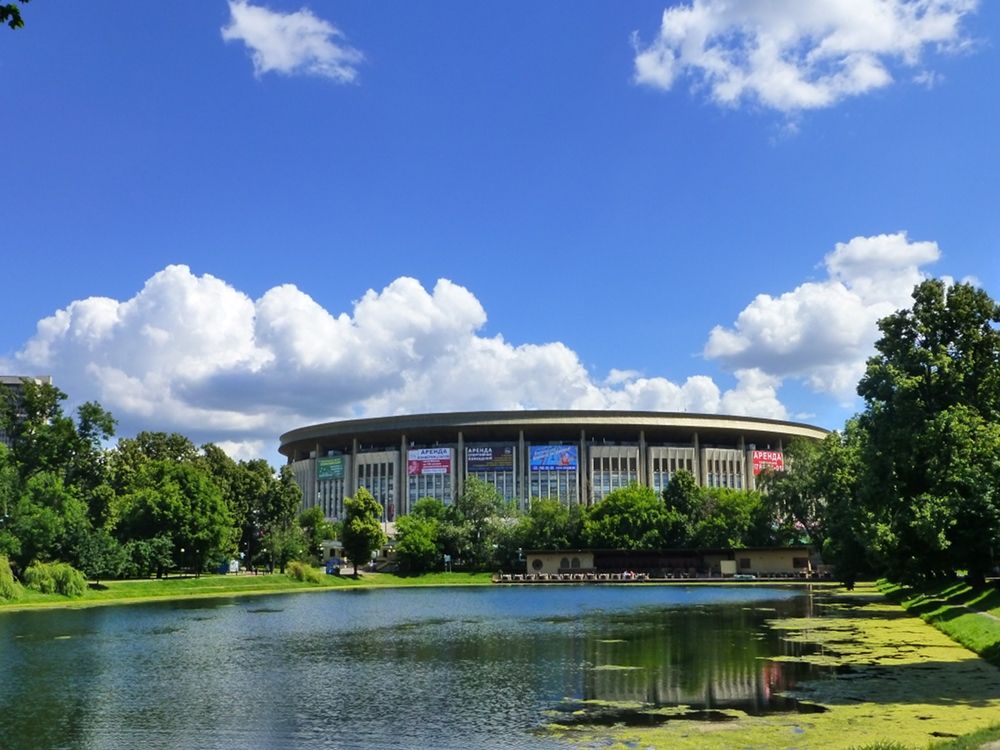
x=891 y=678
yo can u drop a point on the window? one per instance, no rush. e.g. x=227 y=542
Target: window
x=800 y=562
x=564 y=563
x=744 y=563
x=536 y=564
x=576 y=563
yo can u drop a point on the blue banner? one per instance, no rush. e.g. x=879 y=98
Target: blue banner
x=552 y=458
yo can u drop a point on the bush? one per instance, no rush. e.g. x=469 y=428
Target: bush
x=55 y=578
x=9 y=588
x=300 y=571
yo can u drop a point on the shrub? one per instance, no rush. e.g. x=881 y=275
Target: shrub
x=9 y=588
x=55 y=578
x=300 y=571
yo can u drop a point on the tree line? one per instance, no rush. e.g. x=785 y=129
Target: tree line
x=150 y=505
x=482 y=531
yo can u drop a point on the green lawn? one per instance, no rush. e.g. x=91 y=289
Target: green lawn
x=968 y=615
x=178 y=587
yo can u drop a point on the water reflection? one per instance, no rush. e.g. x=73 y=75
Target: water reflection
x=444 y=668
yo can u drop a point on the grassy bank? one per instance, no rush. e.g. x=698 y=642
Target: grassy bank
x=966 y=614
x=185 y=587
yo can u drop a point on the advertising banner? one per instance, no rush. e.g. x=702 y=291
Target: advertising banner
x=421 y=461
x=552 y=457
x=773 y=460
x=490 y=458
x=330 y=467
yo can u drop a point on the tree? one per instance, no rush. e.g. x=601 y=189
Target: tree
x=475 y=518
x=45 y=523
x=100 y=556
x=417 y=542
x=818 y=492
x=316 y=530
x=181 y=501
x=362 y=532
x=10 y=14
x=930 y=474
x=632 y=517
x=682 y=495
x=547 y=525
x=728 y=518
x=43 y=439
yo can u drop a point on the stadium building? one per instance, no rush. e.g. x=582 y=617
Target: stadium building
x=575 y=456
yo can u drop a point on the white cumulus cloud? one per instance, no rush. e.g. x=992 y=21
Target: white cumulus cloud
x=193 y=354
x=291 y=43
x=823 y=332
x=793 y=55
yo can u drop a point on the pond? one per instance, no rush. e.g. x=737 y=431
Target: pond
x=476 y=667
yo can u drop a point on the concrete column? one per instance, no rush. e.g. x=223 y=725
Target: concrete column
x=743 y=458
x=316 y=493
x=404 y=478
x=399 y=483
x=522 y=471
x=354 y=467
x=643 y=468
x=584 y=479
x=459 y=466
x=698 y=471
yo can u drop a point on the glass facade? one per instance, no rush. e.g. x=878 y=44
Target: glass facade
x=665 y=461
x=612 y=467
x=724 y=467
x=495 y=464
x=376 y=472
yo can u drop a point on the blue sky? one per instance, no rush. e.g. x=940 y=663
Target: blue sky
x=230 y=219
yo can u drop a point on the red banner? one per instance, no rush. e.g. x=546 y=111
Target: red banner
x=772 y=460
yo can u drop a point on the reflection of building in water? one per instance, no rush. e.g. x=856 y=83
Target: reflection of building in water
x=701 y=666
x=747 y=686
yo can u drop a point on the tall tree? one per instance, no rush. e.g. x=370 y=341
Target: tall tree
x=477 y=514
x=362 y=532
x=932 y=406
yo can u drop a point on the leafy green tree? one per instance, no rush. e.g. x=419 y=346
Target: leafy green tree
x=181 y=501
x=632 y=517
x=144 y=557
x=548 y=524
x=100 y=555
x=282 y=544
x=729 y=518
x=43 y=439
x=932 y=404
x=429 y=507
x=362 y=532
x=819 y=494
x=10 y=14
x=45 y=522
x=316 y=530
x=682 y=495
x=417 y=542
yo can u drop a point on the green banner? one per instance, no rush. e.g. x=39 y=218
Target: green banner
x=330 y=467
